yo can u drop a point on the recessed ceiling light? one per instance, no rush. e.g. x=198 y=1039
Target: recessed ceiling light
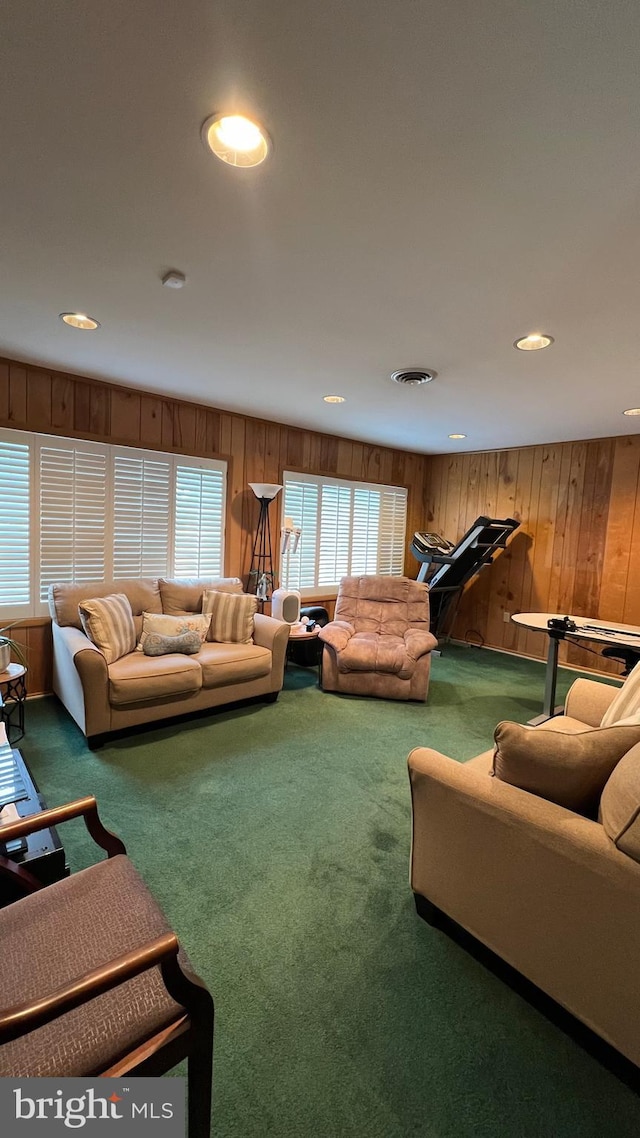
x=79 y=320
x=533 y=342
x=236 y=140
x=333 y=398
x=457 y=436
x=632 y=411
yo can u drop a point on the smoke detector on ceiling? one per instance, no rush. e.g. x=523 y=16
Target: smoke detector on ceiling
x=174 y=279
x=413 y=376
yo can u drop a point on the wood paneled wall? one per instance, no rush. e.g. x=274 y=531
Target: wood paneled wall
x=577 y=549
x=36 y=399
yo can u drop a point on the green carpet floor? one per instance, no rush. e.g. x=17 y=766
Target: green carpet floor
x=276 y=837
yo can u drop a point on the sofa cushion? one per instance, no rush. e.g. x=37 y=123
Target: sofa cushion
x=570 y=769
x=182 y=595
x=172 y=625
x=625 y=705
x=232 y=663
x=137 y=678
x=155 y=644
x=143 y=594
x=620 y=804
x=108 y=622
x=376 y=652
x=231 y=616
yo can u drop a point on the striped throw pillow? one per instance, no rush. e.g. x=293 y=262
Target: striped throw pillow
x=108 y=622
x=231 y=616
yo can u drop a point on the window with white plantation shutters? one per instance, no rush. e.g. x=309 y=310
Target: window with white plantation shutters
x=15 y=516
x=347 y=528
x=300 y=502
x=72 y=494
x=199 y=521
x=80 y=511
x=141 y=513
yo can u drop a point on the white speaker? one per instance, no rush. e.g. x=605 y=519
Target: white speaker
x=285 y=605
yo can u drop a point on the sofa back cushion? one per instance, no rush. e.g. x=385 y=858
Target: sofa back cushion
x=183 y=595
x=64 y=598
x=570 y=769
x=620 y=804
x=383 y=605
x=108 y=622
x=231 y=616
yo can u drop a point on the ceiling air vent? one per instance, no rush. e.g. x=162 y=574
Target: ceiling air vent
x=413 y=376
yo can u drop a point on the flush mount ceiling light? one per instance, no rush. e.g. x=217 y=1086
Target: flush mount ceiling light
x=457 y=436
x=79 y=320
x=632 y=411
x=413 y=376
x=533 y=342
x=334 y=398
x=236 y=140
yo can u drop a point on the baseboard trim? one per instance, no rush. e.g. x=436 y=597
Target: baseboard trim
x=536 y=659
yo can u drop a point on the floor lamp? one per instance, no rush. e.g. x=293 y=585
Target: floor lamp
x=261 y=575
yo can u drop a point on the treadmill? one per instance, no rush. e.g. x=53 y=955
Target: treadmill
x=446 y=568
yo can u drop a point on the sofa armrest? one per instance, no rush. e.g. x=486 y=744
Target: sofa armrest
x=81 y=679
x=337 y=634
x=587 y=700
x=274 y=635
x=266 y=629
x=542 y=887
x=418 y=643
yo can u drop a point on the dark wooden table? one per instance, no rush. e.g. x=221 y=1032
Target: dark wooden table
x=41 y=854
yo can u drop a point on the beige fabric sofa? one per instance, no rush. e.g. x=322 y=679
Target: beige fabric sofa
x=379 y=642
x=145 y=689
x=545 y=889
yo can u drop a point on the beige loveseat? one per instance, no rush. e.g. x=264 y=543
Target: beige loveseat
x=138 y=689
x=546 y=889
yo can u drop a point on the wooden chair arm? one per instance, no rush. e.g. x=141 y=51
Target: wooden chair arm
x=23 y=1018
x=86 y=808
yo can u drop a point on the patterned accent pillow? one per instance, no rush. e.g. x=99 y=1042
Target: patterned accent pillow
x=108 y=622
x=173 y=626
x=155 y=644
x=231 y=616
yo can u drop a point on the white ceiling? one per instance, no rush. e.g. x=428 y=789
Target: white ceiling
x=445 y=178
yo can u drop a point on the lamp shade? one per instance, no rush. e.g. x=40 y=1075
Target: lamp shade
x=265 y=489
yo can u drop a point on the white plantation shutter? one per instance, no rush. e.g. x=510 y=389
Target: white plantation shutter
x=393 y=528
x=199 y=520
x=15 y=514
x=141 y=513
x=72 y=492
x=79 y=511
x=300 y=503
x=365 y=533
x=347 y=528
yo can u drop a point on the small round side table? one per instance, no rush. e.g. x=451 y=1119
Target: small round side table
x=13 y=693
x=304 y=648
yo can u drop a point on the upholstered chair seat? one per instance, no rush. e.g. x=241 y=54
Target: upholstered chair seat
x=93 y=980
x=110 y=911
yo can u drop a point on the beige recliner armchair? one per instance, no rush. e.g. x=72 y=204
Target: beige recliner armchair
x=379 y=642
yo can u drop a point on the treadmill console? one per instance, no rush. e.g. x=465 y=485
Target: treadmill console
x=431 y=543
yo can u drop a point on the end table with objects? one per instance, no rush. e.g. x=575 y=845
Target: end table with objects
x=13 y=693
x=304 y=647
